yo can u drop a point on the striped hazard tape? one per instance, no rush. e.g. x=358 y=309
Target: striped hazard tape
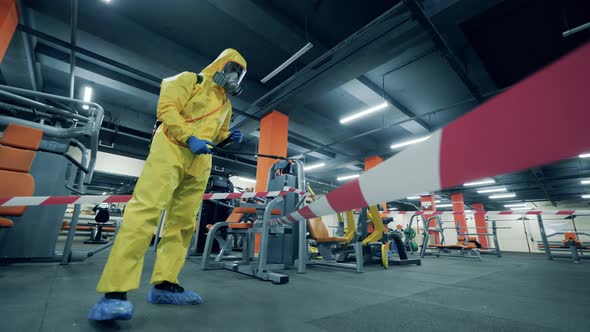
x=92 y=199
x=496 y=213
x=552 y=105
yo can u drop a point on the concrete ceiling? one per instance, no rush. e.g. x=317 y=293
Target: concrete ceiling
x=364 y=53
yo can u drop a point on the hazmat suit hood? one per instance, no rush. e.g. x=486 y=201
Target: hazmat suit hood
x=228 y=55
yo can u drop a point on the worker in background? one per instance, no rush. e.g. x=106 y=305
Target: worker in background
x=195 y=113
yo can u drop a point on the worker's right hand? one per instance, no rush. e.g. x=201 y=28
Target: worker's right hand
x=199 y=146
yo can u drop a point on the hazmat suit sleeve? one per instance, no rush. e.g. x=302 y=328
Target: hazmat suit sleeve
x=224 y=131
x=174 y=94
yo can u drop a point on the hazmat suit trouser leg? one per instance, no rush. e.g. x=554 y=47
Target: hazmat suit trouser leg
x=179 y=227
x=163 y=172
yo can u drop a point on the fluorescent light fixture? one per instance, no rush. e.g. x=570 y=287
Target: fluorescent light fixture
x=521 y=208
x=585 y=181
x=285 y=64
x=364 y=113
x=444 y=205
x=348 y=177
x=585 y=196
x=467 y=211
x=510 y=195
x=437 y=201
x=239 y=178
x=391 y=209
x=104 y=193
x=585 y=155
x=314 y=166
x=515 y=205
x=87 y=96
x=480 y=182
x=493 y=190
x=414 y=141
x=576 y=29
x=413 y=197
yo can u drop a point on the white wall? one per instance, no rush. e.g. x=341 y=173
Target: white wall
x=111 y=163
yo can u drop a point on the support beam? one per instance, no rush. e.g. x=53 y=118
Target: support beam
x=402 y=108
x=442 y=45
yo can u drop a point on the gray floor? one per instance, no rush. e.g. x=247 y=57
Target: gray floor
x=513 y=293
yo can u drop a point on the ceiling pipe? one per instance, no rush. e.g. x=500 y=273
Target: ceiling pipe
x=74 y=26
x=29 y=56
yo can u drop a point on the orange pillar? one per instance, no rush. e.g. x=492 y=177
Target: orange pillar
x=371 y=162
x=481 y=226
x=8 y=23
x=274 y=128
x=427 y=204
x=459 y=212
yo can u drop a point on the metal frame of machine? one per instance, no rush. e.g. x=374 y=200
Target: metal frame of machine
x=260 y=267
x=85 y=119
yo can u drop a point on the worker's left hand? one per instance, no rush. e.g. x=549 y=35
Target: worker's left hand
x=236 y=136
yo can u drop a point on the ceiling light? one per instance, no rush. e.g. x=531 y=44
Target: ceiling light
x=348 y=177
x=493 y=190
x=87 y=96
x=414 y=141
x=467 y=211
x=585 y=155
x=510 y=195
x=515 y=205
x=364 y=113
x=392 y=209
x=437 y=201
x=104 y=193
x=585 y=181
x=284 y=65
x=444 y=205
x=479 y=182
x=521 y=208
x=413 y=197
x=239 y=178
x=314 y=166
x=585 y=196
x=575 y=30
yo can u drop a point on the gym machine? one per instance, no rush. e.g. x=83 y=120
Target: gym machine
x=571 y=243
x=66 y=123
x=281 y=246
x=467 y=245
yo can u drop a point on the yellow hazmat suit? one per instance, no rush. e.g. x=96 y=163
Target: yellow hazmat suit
x=173 y=178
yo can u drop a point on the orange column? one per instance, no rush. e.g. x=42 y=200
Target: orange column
x=371 y=162
x=8 y=23
x=459 y=212
x=481 y=226
x=427 y=204
x=274 y=128
x=274 y=131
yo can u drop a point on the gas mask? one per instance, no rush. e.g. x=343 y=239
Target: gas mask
x=230 y=78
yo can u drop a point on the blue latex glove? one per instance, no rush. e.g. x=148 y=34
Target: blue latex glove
x=199 y=146
x=236 y=136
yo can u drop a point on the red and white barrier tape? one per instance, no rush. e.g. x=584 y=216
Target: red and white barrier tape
x=496 y=213
x=552 y=103
x=91 y=199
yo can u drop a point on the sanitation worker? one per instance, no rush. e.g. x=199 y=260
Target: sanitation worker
x=195 y=112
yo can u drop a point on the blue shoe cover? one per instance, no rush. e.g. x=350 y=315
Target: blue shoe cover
x=158 y=296
x=111 y=309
